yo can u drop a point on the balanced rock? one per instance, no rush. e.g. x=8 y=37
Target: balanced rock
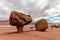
x=41 y=25
x=19 y=19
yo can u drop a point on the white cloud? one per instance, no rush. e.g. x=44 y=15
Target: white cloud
x=38 y=9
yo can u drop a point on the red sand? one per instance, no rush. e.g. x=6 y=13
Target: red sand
x=8 y=32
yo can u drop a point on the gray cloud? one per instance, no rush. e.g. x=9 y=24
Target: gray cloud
x=35 y=8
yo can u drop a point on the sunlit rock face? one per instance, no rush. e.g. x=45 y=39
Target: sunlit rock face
x=36 y=8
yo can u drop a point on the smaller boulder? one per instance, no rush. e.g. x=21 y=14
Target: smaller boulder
x=41 y=25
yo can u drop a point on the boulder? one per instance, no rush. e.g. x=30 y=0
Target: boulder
x=56 y=26
x=19 y=19
x=41 y=25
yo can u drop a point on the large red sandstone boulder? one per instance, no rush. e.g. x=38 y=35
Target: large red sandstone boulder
x=19 y=19
x=41 y=25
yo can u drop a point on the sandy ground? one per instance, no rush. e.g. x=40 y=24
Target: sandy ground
x=8 y=32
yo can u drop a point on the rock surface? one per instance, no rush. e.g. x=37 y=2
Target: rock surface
x=55 y=25
x=41 y=25
x=19 y=19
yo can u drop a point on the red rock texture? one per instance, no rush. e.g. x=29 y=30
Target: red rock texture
x=41 y=25
x=19 y=19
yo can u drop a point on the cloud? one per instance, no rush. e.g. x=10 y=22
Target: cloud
x=38 y=9
x=55 y=19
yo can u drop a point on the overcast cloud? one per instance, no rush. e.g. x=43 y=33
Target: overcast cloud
x=36 y=8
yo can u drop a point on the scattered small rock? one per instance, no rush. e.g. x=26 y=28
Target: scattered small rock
x=31 y=27
x=55 y=25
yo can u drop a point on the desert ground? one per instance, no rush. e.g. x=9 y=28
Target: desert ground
x=8 y=32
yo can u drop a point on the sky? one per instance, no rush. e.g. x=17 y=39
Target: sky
x=38 y=9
